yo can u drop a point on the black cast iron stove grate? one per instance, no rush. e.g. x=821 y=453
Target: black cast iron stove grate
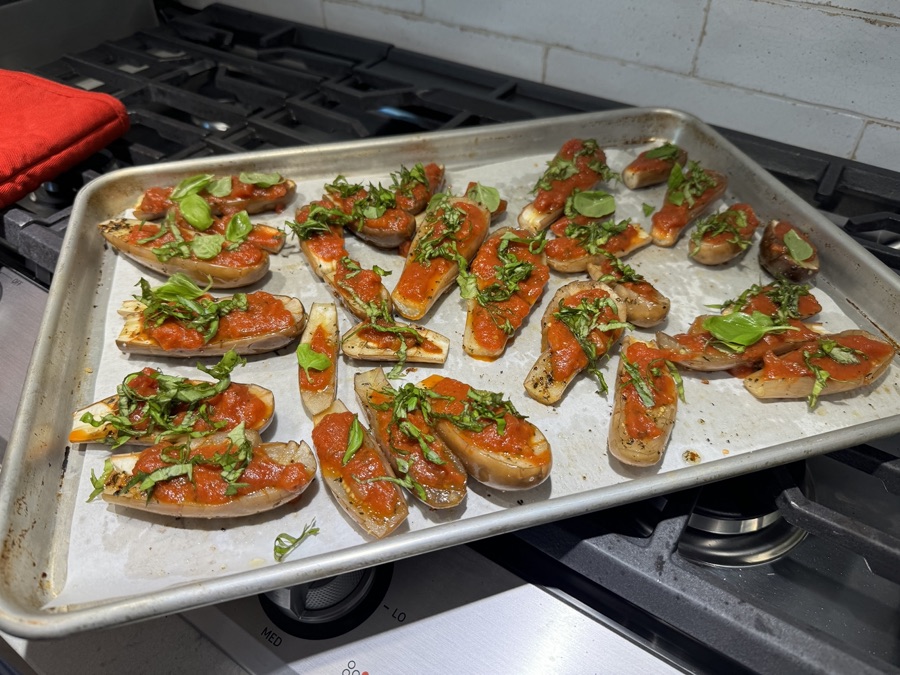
x=225 y=80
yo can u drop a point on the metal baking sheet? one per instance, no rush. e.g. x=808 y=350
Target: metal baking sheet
x=67 y=565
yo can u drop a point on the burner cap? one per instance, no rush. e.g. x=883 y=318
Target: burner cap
x=736 y=523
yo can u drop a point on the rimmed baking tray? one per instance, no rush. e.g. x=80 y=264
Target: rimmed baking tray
x=67 y=566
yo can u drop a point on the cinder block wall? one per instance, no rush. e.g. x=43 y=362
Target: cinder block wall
x=821 y=74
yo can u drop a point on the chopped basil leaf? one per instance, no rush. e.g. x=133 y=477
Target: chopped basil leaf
x=641 y=386
x=191 y=186
x=178 y=286
x=406 y=482
x=285 y=544
x=196 y=212
x=263 y=180
x=488 y=197
x=100 y=483
x=307 y=358
x=797 y=247
x=381 y=272
x=647 y=208
x=354 y=440
x=154 y=415
x=239 y=226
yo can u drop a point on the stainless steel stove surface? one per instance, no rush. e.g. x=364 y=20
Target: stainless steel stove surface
x=802 y=577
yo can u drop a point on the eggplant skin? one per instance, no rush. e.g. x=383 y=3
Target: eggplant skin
x=249 y=504
x=133 y=340
x=777 y=261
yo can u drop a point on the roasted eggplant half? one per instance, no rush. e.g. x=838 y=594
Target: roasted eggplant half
x=653 y=166
x=180 y=319
x=497 y=445
x=582 y=322
x=787 y=252
x=644 y=405
x=645 y=306
x=691 y=191
x=357 y=473
x=507 y=278
x=402 y=427
x=317 y=358
x=167 y=249
x=829 y=365
x=219 y=476
x=452 y=231
x=579 y=165
x=151 y=405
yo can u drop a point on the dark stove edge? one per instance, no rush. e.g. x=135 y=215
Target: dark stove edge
x=647 y=575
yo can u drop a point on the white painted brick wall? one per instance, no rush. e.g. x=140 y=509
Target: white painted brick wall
x=820 y=74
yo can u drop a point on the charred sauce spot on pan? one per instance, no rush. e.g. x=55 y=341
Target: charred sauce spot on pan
x=691 y=457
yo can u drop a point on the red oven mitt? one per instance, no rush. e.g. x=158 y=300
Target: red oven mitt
x=46 y=128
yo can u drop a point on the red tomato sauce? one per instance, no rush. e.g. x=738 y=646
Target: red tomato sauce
x=488 y=319
x=730 y=215
x=317 y=380
x=393 y=440
x=793 y=363
x=156 y=200
x=548 y=201
x=567 y=356
x=265 y=314
x=379 y=499
x=234 y=405
x=638 y=422
x=515 y=441
x=207 y=486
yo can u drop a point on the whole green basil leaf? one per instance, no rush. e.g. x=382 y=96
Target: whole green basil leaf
x=196 y=212
x=354 y=440
x=191 y=186
x=207 y=246
x=220 y=187
x=739 y=330
x=307 y=358
x=178 y=286
x=798 y=249
x=594 y=204
x=263 y=180
x=487 y=196
x=665 y=151
x=238 y=227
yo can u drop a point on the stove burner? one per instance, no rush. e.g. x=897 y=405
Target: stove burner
x=736 y=523
x=328 y=607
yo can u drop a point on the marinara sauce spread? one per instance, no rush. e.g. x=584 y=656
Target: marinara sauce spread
x=650 y=363
x=493 y=321
x=731 y=217
x=518 y=433
x=265 y=315
x=868 y=353
x=446 y=476
x=420 y=279
x=378 y=499
x=567 y=356
x=156 y=200
x=244 y=255
x=317 y=380
x=247 y=192
x=807 y=305
x=672 y=218
x=413 y=196
x=569 y=170
x=573 y=246
x=234 y=405
x=207 y=485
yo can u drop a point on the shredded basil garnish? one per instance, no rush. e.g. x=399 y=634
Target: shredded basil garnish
x=286 y=544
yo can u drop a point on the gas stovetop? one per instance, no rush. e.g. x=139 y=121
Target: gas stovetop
x=802 y=580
